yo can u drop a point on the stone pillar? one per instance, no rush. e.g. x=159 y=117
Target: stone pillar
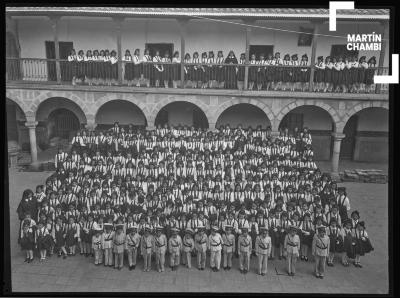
x=337 y=140
x=275 y=134
x=211 y=126
x=32 y=139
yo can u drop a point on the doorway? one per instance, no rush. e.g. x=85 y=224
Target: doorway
x=62 y=123
x=65 y=48
x=161 y=47
x=348 y=143
x=340 y=50
x=261 y=49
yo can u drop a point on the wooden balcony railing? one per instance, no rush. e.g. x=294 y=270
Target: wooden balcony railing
x=158 y=74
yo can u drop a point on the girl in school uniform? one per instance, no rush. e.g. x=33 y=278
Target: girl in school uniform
x=88 y=67
x=336 y=75
x=346 y=75
x=295 y=72
x=348 y=243
x=220 y=69
x=369 y=74
x=307 y=234
x=107 y=67
x=203 y=73
x=328 y=74
x=304 y=73
x=147 y=67
x=211 y=70
x=114 y=68
x=72 y=67
x=101 y=68
x=354 y=74
x=27 y=240
x=341 y=79
x=95 y=67
x=260 y=78
x=230 y=71
x=167 y=73
x=97 y=245
x=128 y=68
x=80 y=75
x=240 y=70
x=278 y=71
x=108 y=236
x=137 y=68
x=319 y=74
x=286 y=77
x=196 y=71
x=188 y=70
x=42 y=239
x=59 y=237
x=362 y=68
x=71 y=235
x=176 y=70
x=362 y=243
x=252 y=71
x=158 y=69
x=336 y=240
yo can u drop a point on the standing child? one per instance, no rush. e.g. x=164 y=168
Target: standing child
x=336 y=240
x=42 y=240
x=244 y=248
x=320 y=250
x=215 y=246
x=72 y=235
x=147 y=243
x=228 y=239
x=252 y=71
x=174 y=249
x=201 y=247
x=132 y=244
x=263 y=250
x=118 y=246
x=304 y=73
x=59 y=237
x=166 y=74
x=176 y=70
x=108 y=244
x=292 y=247
x=307 y=235
x=369 y=74
x=97 y=246
x=363 y=244
x=27 y=241
x=319 y=74
x=160 y=241
x=187 y=248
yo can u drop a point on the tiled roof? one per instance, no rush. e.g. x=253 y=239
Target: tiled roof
x=205 y=12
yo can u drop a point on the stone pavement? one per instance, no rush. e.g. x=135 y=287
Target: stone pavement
x=79 y=274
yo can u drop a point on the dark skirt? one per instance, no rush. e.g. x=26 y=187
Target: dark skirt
x=60 y=240
x=282 y=236
x=286 y=74
x=343 y=212
x=278 y=76
x=137 y=70
x=361 y=75
x=81 y=69
x=44 y=242
x=89 y=69
x=128 y=71
x=176 y=72
x=70 y=239
x=189 y=74
x=269 y=73
x=114 y=71
x=204 y=74
x=362 y=246
x=27 y=242
x=274 y=238
x=328 y=75
x=253 y=73
x=354 y=75
x=319 y=76
x=260 y=76
x=107 y=70
x=230 y=77
x=157 y=75
x=166 y=74
x=212 y=73
x=345 y=78
x=296 y=76
x=147 y=70
x=307 y=239
x=336 y=244
x=369 y=76
x=335 y=76
x=220 y=75
x=348 y=247
x=305 y=76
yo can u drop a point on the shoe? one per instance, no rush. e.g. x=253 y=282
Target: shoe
x=280 y=258
x=199 y=268
x=293 y=274
x=245 y=271
x=30 y=260
x=317 y=276
x=59 y=255
x=263 y=274
x=216 y=270
x=359 y=265
x=321 y=277
x=355 y=264
x=302 y=258
x=306 y=259
x=229 y=268
x=134 y=267
x=130 y=268
x=26 y=260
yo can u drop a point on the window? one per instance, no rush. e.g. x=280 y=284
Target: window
x=261 y=49
x=161 y=47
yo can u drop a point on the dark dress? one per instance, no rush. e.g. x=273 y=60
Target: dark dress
x=348 y=244
x=253 y=71
x=296 y=74
x=260 y=74
x=304 y=75
x=147 y=68
x=204 y=74
x=278 y=73
x=369 y=74
x=81 y=69
x=176 y=71
x=27 y=241
x=362 y=246
x=269 y=72
x=354 y=74
x=319 y=76
x=307 y=239
x=128 y=69
x=286 y=73
x=137 y=69
x=220 y=75
x=107 y=69
x=342 y=208
x=43 y=241
x=230 y=73
x=361 y=75
x=30 y=206
x=166 y=74
x=212 y=70
x=59 y=238
x=336 y=241
x=70 y=239
x=114 y=71
x=328 y=72
x=335 y=76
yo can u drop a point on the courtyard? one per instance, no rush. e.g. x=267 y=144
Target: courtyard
x=79 y=274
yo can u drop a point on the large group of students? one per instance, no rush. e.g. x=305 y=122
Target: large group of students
x=184 y=192
x=347 y=74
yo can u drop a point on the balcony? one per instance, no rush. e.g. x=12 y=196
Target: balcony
x=59 y=74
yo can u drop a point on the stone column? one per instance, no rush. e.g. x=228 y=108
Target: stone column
x=32 y=139
x=337 y=140
x=211 y=126
x=91 y=123
x=275 y=134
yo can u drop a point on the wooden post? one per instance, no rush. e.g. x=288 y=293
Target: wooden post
x=118 y=22
x=384 y=34
x=182 y=26
x=313 y=54
x=54 y=24
x=246 y=70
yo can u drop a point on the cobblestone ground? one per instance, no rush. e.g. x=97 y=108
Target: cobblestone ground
x=79 y=274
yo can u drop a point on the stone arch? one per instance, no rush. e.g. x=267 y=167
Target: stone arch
x=170 y=99
x=139 y=102
x=60 y=103
x=224 y=106
x=82 y=103
x=358 y=107
x=331 y=111
x=16 y=98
